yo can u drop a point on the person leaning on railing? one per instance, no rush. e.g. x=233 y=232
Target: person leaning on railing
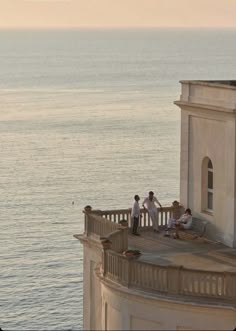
x=184 y=222
x=150 y=203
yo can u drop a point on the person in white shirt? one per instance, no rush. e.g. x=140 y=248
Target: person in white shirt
x=135 y=215
x=184 y=222
x=149 y=203
x=177 y=210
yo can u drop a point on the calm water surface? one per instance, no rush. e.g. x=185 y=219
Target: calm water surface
x=85 y=116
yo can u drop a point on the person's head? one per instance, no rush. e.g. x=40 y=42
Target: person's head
x=188 y=211
x=151 y=195
x=136 y=197
x=88 y=208
x=175 y=203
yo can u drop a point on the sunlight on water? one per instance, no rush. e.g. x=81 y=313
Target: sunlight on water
x=85 y=117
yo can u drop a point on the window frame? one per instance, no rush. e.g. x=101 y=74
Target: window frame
x=207 y=186
x=210 y=190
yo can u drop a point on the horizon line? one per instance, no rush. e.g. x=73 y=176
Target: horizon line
x=115 y=27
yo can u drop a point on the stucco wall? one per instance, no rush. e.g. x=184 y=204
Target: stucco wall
x=128 y=310
x=92 y=289
x=209 y=93
x=208 y=138
x=209 y=134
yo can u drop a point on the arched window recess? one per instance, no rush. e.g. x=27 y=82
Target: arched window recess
x=207 y=185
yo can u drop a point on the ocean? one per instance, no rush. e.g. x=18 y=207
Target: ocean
x=86 y=116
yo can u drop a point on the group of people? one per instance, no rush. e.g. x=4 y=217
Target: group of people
x=150 y=203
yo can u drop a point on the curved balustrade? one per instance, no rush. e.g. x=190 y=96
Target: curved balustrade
x=98 y=225
x=103 y=222
x=117 y=215
x=171 y=280
x=119 y=240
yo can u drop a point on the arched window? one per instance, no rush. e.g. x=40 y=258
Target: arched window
x=207 y=185
x=210 y=186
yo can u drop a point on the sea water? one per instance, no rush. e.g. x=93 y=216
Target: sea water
x=86 y=117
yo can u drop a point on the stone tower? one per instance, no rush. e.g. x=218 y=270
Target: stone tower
x=208 y=155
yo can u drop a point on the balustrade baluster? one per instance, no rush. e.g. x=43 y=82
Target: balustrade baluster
x=144 y=218
x=215 y=284
x=206 y=289
x=113 y=265
x=196 y=286
x=161 y=279
x=118 y=269
x=155 y=271
x=149 y=220
x=162 y=216
x=166 y=218
x=219 y=289
x=210 y=286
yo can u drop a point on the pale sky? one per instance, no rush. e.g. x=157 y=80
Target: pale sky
x=117 y=13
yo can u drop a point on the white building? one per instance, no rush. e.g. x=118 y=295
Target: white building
x=208 y=155
x=175 y=284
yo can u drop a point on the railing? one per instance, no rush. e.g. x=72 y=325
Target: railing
x=97 y=226
x=145 y=222
x=119 y=240
x=105 y=223
x=171 y=280
x=116 y=215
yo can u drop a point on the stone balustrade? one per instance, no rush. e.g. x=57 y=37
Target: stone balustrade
x=97 y=226
x=171 y=280
x=134 y=273
x=117 y=215
x=119 y=240
x=103 y=222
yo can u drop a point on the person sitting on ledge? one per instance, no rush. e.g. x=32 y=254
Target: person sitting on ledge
x=184 y=222
x=177 y=208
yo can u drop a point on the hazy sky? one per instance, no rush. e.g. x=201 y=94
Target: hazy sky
x=117 y=13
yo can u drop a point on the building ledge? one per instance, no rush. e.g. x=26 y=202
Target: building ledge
x=194 y=106
x=219 y=96
x=164 y=298
x=226 y=84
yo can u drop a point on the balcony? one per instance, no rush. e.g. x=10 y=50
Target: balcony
x=190 y=269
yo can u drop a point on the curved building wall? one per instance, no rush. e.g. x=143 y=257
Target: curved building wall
x=124 y=309
x=92 y=302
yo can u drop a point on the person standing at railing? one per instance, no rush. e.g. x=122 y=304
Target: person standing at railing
x=135 y=215
x=150 y=203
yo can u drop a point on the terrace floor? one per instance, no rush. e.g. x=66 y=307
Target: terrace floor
x=190 y=253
